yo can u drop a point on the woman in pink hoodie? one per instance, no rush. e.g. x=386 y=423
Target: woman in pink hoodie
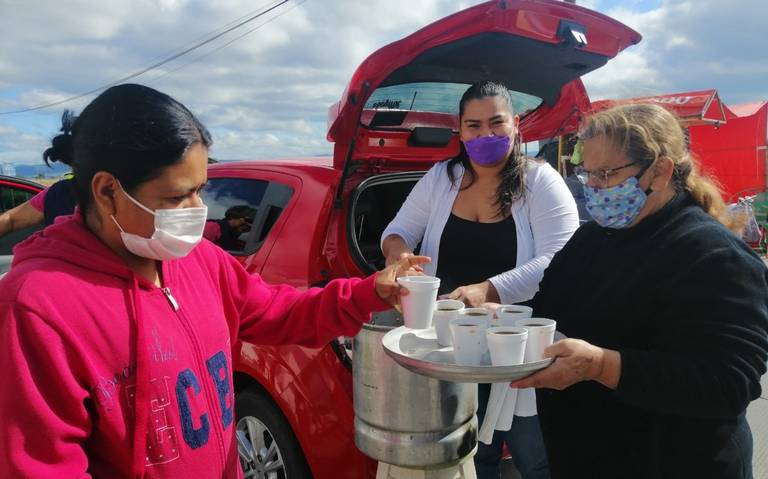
x=84 y=395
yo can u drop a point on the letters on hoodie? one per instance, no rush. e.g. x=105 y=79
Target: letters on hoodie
x=162 y=436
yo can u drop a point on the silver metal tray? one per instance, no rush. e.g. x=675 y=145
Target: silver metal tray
x=417 y=350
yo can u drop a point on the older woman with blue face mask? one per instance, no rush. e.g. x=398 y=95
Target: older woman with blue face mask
x=665 y=309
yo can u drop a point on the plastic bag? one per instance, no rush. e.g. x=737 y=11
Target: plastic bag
x=751 y=232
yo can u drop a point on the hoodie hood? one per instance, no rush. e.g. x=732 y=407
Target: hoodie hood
x=69 y=240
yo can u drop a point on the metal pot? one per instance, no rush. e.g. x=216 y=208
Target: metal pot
x=405 y=419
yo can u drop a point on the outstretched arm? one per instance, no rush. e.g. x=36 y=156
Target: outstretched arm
x=20 y=217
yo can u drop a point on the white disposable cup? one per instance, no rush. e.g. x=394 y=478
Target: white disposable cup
x=419 y=303
x=509 y=313
x=469 y=343
x=506 y=344
x=446 y=310
x=541 y=334
x=478 y=313
x=507 y=348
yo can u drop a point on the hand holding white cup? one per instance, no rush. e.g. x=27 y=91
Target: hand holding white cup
x=419 y=304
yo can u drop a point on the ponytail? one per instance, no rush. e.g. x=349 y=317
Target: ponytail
x=707 y=194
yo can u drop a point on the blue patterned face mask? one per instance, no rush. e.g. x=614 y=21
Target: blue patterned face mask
x=617 y=206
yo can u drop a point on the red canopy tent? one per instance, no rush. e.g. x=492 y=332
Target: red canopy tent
x=730 y=143
x=736 y=152
x=693 y=108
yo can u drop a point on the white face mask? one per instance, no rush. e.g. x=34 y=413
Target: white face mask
x=177 y=232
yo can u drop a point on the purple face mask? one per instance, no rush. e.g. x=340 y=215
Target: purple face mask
x=487 y=150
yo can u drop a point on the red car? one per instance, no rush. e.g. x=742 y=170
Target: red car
x=13 y=192
x=313 y=220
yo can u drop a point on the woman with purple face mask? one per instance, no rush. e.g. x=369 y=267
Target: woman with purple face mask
x=491 y=220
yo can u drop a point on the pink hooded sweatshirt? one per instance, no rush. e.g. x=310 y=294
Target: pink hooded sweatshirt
x=107 y=375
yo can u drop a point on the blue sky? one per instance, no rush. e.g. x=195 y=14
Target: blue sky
x=639 y=6
x=267 y=94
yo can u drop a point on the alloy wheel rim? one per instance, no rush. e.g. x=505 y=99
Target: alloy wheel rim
x=266 y=462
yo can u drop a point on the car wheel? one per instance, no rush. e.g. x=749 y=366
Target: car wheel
x=267 y=446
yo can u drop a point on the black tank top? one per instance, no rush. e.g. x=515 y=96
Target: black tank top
x=472 y=252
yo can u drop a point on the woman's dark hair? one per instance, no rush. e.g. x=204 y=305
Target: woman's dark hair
x=130 y=131
x=512 y=186
x=61 y=147
x=240 y=211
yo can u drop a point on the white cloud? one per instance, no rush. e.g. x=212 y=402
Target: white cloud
x=267 y=94
x=690 y=46
x=20 y=147
x=630 y=74
x=679 y=41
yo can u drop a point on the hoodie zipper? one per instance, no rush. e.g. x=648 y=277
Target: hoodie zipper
x=210 y=395
x=167 y=292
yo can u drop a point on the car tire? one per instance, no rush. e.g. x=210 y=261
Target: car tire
x=281 y=455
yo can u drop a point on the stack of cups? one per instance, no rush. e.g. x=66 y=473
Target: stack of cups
x=468 y=331
x=541 y=333
x=507 y=348
x=446 y=311
x=419 y=304
x=509 y=315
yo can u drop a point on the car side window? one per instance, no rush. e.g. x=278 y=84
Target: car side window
x=241 y=212
x=11 y=197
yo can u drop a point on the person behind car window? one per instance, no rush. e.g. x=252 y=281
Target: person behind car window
x=666 y=311
x=577 y=190
x=123 y=368
x=226 y=232
x=54 y=201
x=490 y=219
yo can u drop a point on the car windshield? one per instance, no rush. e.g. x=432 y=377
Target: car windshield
x=436 y=97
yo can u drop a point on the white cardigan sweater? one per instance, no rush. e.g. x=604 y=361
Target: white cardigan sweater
x=545 y=219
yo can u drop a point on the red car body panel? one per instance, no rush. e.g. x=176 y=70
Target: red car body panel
x=310 y=181
x=534 y=19
x=311 y=386
x=10 y=181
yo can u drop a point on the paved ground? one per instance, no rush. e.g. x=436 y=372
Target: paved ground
x=757 y=415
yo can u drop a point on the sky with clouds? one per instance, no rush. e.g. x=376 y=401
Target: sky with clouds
x=267 y=94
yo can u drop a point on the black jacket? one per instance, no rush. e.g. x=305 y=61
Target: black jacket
x=685 y=302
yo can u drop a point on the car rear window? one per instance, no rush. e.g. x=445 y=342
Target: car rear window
x=242 y=212
x=436 y=97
